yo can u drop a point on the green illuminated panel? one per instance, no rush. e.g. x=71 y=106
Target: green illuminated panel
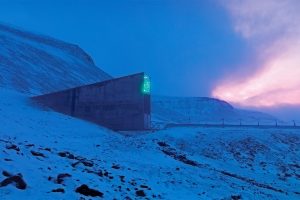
x=146 y=85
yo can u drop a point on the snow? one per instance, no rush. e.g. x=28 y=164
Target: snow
x=37 y=64
x=268 y=157
x=54 y=151
x=203 y=110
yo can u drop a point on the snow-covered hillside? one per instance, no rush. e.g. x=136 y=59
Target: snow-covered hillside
x=47 y=155
x=36 y=64
x=51 y=156
x=39 y=64
x=203 y=110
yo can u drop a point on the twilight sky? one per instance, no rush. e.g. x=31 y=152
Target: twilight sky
x=243 y=51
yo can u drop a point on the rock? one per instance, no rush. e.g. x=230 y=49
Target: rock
x=140 y=193
x=162 y=144
x=38 y=154
x=16 y=180
x=58 y=190
x=85 y=162
x=46 y=149
x=115 y=167
x=122 y=178
x=13 y=146
x=144 y=186
x=85 y=190
x=66 y=154
x=236 y=197
x=7 y=174
x=61 y=177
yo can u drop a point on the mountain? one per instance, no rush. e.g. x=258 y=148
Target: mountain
x=202 y=110
x=47 y=155
x=37 y=64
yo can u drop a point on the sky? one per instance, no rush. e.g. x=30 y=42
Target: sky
x=184 y=46
x=245 y=52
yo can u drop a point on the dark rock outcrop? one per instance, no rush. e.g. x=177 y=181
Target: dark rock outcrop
x=86 y=191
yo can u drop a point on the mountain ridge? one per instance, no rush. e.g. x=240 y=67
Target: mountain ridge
x=35 y=64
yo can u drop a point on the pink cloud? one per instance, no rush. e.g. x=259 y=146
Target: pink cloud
x=272 y=27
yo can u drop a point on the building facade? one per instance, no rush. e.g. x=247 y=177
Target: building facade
x=119 y=104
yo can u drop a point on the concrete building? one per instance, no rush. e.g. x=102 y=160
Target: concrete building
x=119 y=104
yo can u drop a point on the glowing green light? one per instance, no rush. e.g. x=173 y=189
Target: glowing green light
x=146 y=85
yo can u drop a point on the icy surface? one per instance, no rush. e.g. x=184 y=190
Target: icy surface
x=38 y=64
x=176 y=163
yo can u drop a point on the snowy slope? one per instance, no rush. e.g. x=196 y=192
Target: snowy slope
x=203 y=110
x=56 y=155
x=38 y=64
x=52 y=151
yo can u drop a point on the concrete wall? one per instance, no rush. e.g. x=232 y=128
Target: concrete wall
x=118 y=104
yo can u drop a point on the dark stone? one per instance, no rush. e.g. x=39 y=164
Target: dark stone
x=162 y=144
x=47 y=149
x=236 y=197
x=87 y=163
x=122 y=178
x=115 y=167
x=59 y=190
x=60 y=178
x=140 y=193
x=38 y=154
x=85 y=190
x=17 y=180
x=66 y=154
x=105 y=174
x=62 y=154
x=71 y=156
x=13 y=146
x=7 y=174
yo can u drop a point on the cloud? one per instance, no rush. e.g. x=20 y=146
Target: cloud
x=272 y=27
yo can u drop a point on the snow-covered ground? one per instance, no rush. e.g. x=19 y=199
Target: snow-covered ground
x=47 y=155
x=52 y=151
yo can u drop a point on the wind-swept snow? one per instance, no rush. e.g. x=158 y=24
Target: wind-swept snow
x=57 y=154
x=38 y=64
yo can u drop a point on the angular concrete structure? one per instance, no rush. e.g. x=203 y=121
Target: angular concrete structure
x=119 y=104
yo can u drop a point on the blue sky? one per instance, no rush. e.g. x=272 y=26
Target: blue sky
x=185 y=46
